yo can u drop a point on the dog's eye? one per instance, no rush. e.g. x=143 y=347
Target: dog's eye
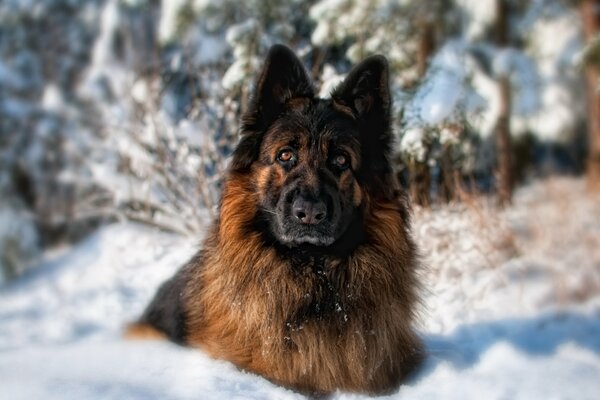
x=285 y=155
x=341 y=161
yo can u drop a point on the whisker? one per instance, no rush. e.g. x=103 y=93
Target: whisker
x=271 y=212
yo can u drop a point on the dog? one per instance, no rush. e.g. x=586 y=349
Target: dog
x=309 y=275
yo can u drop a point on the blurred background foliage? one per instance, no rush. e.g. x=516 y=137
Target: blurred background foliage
x=114 y=109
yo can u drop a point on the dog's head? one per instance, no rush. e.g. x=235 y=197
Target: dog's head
x=314 y=162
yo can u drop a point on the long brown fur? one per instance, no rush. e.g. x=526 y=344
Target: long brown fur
x=242 y=300
x=244 y=317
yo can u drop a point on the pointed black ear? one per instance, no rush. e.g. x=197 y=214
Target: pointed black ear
x=366 y=89
x=366 y=93
x=282 y=79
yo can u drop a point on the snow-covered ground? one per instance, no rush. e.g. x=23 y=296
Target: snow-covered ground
x=511 y=310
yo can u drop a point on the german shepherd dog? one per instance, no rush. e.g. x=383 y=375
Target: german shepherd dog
x=308 y=277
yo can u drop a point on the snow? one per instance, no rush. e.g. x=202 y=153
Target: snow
x=140 y=91
x=569 y=373
x=330 y=80
x=87 y=292
x=52 y=99
x=480 y=15
x=324 y=13
x=19 y=242
x=235 y=75
x=511 y=310
x=449 y=136
x=240 y=32
x=146 y=371
x=102 y=52
x=413 y=143
x=443 y=95
x=209 y=49
x=169 y=18
x=555 y=39
x=243 y=39
x=104 y=76
x=442 y=100
x=457 y=87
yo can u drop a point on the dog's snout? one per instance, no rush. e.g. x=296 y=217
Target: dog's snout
x=309 y=212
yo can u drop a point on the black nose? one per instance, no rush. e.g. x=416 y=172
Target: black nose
x=309 y=212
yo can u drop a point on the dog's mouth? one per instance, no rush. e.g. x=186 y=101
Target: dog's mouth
x=316 y=239
x=288 y=232
x=292 y=232
x=299 y=219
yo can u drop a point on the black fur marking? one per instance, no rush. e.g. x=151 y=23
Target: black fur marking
x=166 y=312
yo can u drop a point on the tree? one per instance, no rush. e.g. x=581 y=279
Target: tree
x=420 y=173
x=504 y=180
x=590 y=13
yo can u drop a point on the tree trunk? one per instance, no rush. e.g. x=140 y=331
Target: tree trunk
x=504 y=182
x=590 y=13
x=318 y=58
x=420 y=174
x=448 y=178
x=426 y=46
x=420 y=183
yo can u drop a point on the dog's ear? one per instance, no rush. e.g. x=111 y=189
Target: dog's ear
x=281 y=80
x=366 y=90
x=366 y=93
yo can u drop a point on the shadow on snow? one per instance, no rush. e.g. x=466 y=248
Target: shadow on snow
x=540 y=335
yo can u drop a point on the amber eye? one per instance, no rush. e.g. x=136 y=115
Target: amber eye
x=285 y=155
x=341 y=161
